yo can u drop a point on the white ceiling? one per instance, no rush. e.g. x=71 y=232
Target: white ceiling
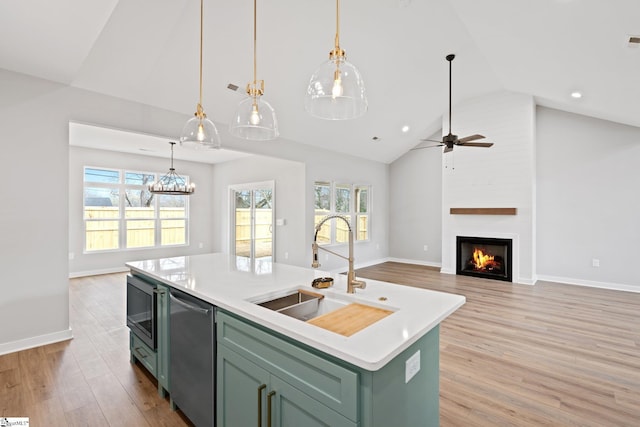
x=101 y=138
x=147 y=51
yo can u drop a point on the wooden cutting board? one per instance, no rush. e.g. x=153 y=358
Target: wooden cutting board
x=350 y=319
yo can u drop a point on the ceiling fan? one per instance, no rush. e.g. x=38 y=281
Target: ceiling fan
x=449 y=140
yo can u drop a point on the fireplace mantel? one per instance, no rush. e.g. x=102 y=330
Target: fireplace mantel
x=483 y=211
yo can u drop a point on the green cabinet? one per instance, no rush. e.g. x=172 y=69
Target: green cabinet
x=251 y=396
x=155 y=361
x=263 y=375
x=291 y=408
x=163 y=314
x=241 y=390
x=265 y=381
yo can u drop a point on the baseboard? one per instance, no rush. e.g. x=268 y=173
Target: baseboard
x=416 y=262
x=32 y=342
x=77 y=274
x=370 y=263
x=590 y=283
x=522 y=281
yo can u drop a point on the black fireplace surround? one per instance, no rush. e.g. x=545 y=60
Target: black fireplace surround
x=484 y=257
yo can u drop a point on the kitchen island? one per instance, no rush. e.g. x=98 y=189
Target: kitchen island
x=294 y=371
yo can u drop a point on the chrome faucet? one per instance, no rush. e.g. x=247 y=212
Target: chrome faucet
x=352 y=283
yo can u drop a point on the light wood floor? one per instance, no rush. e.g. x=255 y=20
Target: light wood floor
x=513 y=355
x=518 y=355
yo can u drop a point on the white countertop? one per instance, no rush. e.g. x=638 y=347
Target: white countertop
x=234 y=284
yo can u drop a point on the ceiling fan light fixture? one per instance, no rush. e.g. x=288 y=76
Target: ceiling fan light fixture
x=255 y=119
x=336 y=89
x=450 y=140
x=199 y=132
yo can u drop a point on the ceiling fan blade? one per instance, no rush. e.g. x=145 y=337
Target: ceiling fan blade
x=447 y=149
x=427 y=146
x=431 y=140
x=471 y=138
x=477 y=144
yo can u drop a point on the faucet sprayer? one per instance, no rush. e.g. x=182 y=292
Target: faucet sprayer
x=352 y=283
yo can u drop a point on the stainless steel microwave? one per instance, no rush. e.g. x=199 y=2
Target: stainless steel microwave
x=141 y=310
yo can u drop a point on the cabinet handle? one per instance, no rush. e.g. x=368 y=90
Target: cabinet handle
x=262 y=387
x=269 y=396
x=137 y=349
x=200 y=310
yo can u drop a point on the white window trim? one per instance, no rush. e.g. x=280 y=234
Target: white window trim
x=122 y=220
x=352 y=215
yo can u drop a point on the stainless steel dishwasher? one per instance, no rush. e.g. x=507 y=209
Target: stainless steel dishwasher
x=192 y=344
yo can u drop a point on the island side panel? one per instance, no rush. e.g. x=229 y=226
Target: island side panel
x=387 y=400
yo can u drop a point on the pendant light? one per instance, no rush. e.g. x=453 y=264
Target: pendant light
x=172 y=183
x=255 y=119
x=200 y=132
x=336 y=89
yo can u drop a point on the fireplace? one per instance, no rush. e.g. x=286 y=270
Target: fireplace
x=484 y=257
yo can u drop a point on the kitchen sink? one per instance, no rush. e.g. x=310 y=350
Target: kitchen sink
x=344 y=317
x=302 y=305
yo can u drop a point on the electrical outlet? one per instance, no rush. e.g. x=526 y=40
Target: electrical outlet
x=412 y=366
x=201 y=245
x=426 y=248
x=71 y=256
x=286 y=255
x=595 y=262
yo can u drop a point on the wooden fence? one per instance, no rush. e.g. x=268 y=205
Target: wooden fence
x=104 y=232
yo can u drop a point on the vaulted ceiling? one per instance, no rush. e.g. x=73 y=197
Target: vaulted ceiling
x=147 y=51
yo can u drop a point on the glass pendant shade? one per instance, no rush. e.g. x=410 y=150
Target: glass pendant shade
x=200 y=133
x=336 y=91
x=255 y=120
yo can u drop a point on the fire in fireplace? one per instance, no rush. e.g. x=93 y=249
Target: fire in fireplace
x=484 y=257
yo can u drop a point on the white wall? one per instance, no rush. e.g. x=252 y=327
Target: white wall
x=34 y=124
x=500 y=176
x=289 y=202
x=200 y=209
x=319 y=165
x=34 y=127
x=588 y=200
x=415 y=206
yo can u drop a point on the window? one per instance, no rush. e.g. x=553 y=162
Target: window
x=121 y=213
x=361 y=194
x=347 y=200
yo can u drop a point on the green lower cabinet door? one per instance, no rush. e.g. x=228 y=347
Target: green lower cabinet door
x=292 y=408
x=163 y=339
x=242 y=390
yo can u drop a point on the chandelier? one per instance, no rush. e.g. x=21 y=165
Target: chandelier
x=172 y=183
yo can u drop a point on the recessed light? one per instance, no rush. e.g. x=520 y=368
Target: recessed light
x=576 y=95
x=405 y=128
